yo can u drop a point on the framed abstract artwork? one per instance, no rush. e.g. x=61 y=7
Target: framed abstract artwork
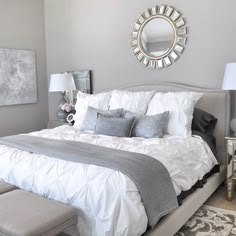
x=18 y=84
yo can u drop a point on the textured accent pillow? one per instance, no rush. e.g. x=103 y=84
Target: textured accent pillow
x=180 y=105
x=91 y=116
x=99 y=101
x=114 y=126
x=148 y=126
x=132 y=101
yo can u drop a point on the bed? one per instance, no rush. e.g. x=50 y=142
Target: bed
x=218 y=103
x=39 y=176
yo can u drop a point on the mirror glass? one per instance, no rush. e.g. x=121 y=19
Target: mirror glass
x=157 y=37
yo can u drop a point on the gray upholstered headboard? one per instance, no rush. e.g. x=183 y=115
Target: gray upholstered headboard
x=216 y=102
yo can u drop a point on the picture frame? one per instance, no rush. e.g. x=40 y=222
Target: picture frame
x=18 y=77
x=82 y=81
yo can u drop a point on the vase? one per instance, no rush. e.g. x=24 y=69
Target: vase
x=61 y=116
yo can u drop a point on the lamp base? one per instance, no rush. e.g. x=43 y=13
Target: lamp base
x=233 y=126
x=63 y=99
x=61 y=116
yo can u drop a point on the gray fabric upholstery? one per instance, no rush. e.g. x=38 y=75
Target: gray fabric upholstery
x=4 y=187
x=27 y=214
x=114 y=126
x=91 y=116
x=148 y=126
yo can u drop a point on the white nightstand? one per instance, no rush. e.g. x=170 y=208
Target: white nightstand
x=231 y=166
x=53 y=124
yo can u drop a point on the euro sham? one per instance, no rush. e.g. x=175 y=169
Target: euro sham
x=99 y=101
x=180 y=106
x=132 y=101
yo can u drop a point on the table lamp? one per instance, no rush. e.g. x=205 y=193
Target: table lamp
x=229 y=83
x=65 y=84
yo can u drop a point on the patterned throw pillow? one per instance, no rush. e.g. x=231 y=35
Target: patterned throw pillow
x=148 y=126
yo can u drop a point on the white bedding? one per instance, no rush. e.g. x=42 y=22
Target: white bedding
x=108 y=201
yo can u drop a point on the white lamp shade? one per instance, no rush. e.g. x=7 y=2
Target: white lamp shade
x=61 y=82
x=229 y=82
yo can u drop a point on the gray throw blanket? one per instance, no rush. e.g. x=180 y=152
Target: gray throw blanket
x=150 y=176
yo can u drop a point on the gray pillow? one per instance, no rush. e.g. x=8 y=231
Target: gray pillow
x=91 y=116
x=114 y=126
x=148 y=126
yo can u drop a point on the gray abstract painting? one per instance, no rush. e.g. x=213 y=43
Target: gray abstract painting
x=18 y=83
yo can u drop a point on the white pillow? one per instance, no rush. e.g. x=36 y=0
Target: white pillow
x=181 y=107
x=136 y=102
x=99 y=101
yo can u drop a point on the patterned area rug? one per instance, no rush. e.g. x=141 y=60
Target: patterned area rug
x=210 y=221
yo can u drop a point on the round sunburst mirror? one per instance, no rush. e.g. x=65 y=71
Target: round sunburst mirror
x=159 y=37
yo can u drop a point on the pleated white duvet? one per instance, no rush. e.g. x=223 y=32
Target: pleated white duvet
x=108 y=201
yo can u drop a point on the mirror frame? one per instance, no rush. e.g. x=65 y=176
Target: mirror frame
x=180 y=37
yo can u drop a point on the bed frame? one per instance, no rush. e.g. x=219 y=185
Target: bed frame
x=216 y=102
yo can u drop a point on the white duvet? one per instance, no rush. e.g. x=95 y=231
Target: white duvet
x=108 y=201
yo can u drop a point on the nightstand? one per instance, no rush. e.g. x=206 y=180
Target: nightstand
x=231 y=166
x=53 y=124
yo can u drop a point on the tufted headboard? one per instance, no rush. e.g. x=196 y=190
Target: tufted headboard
x=216 y=102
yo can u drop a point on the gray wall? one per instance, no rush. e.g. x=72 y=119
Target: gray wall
x=95 y=35
x=22 y=27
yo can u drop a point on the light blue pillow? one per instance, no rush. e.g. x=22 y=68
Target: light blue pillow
x=114 y=126
x=148 y=126
x=91 y=116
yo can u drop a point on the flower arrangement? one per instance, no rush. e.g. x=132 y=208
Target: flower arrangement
x=67 y=107
x=64 y=111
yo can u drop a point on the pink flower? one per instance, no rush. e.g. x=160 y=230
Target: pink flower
x=63 y=107
x=68 y=107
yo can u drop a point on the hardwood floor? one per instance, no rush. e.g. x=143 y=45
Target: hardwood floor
x=218 y=199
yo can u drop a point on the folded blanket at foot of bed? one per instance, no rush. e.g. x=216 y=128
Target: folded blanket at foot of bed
x=150 y=176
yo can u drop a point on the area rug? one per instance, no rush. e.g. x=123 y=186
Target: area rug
x=210 y=221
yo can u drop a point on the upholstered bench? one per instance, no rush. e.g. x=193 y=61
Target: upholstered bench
x=27 y=214
x=4 y=187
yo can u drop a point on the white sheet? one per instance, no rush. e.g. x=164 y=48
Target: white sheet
x=108 y=201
